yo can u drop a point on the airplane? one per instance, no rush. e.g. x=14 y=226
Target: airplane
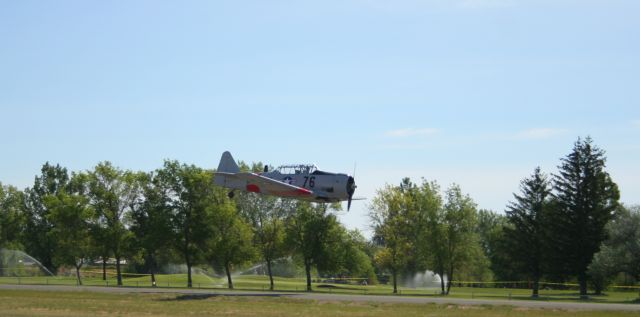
x=303 y=181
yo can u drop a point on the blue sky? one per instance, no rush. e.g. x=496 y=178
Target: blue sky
x=476 y=92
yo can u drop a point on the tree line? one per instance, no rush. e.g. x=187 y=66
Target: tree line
x=565 y=227
x=174 y=214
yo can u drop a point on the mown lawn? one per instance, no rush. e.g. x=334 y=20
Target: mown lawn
x=38 y=303
x=253 y=282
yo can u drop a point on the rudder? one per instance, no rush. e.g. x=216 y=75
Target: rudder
x=228 y=164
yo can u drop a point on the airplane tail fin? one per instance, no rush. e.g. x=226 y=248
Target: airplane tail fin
x=228 y=164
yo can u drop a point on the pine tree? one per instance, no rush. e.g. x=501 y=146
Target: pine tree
x=586 y=198
x=525 y=230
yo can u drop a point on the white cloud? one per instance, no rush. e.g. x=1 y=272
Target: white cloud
x=539 y=133
x=409 y=132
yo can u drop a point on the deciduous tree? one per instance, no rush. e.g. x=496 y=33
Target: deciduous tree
x=266 y=216
x=390 y=222
x=460 y=240
x=312 y=234
x=232 y=243
x=71 y=215
x=11 y=219
x=151 y=224
x=191 y=195
x=112 y=192
x=36 y=240
x=620 y=253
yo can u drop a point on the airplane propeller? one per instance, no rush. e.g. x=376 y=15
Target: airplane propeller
x=351 y=188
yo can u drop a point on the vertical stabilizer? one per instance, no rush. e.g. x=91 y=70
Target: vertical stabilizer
x=228 y=164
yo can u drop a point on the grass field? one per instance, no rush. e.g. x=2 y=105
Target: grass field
x=252 y=282
x=38 y=303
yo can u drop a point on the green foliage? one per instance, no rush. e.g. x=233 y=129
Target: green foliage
x=356 y=262
x=266 y=216
x=36 y=240
x=624 y=240
x=526 y=234
x=459 y=235
x=620 y=253
x=389 y=217
x=191 y=199
x=602 y=269
x=151 y=223
x=491 y=233
x=313 y=234
x=113 y=193
x=418 y=231
x=71 y=215
x=12 y=221
x=586 y=198
x=232 y=244
x=177 y=214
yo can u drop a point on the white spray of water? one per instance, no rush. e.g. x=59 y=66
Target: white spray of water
x=18 y=263
x=426 y=279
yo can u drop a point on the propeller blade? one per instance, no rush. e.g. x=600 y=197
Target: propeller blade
x=351 y=188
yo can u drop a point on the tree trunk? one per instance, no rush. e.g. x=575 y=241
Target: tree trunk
x=78 y=274
x=152 y=268
x=582 y=279
x=189 y=281
x=394 y=275
x=228 y=270
x=271 y=285
x=118 y=271
x=1 y=264
x=104 y=268
x=598 y=290
x=307 y=268
x=153 y=279
x=442 y=283
x=536 y=286
x=449 y=279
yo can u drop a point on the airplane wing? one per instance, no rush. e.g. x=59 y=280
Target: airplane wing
x=259 y=184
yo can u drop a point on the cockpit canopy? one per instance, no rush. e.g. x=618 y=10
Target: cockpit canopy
x=297 y=169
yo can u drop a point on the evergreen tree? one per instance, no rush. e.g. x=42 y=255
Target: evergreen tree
x=525 y=232
x=586 y=198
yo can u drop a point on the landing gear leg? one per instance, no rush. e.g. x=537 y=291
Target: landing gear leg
x=231 y=194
